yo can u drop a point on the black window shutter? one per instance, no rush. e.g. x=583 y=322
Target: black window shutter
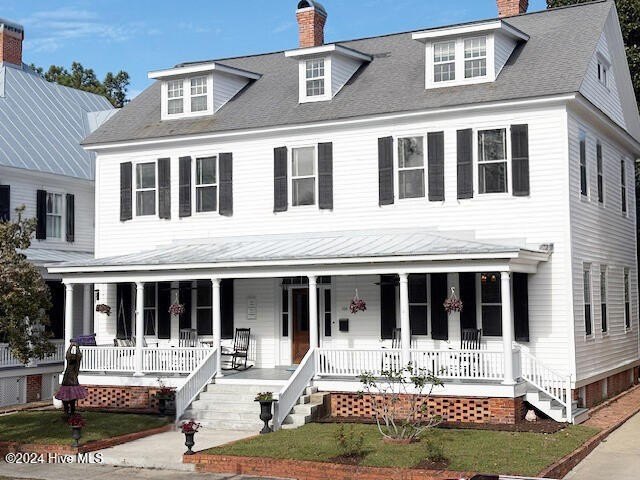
x=520 y=159
x=280 y=182
x=5 y=203
x=41 y=214
x=465 y=163
x=439 y=317
x=226 y=308
x=184 y=296
x=164 y=188
x=435 y=148
x=184 y=187
x=325 y=176
x=71 y=218
x=387 y=306
x=125 y=191
x=164 y=317
x=385 y=170
x=467 y=294
x=226 y=184
x=521 y=306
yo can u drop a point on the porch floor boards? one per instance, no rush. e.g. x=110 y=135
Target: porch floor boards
x=264 y=376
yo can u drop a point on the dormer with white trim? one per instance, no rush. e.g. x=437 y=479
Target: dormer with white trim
x=199 y=89
x=468 y=54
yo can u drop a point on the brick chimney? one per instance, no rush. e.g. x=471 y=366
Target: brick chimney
x=311 y=19
x=11 y=36
x=511 y=8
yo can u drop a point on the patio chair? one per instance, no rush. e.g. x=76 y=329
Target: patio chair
x=240 y=350
x=470 y=339
x=389 y=360
x=188 y=338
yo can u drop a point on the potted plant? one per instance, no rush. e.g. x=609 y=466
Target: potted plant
x=189 y=429
x=103 y=308
x=76 y=422
x=176 y=309
x=166 y=397
x=266 y=401
x=357 y=304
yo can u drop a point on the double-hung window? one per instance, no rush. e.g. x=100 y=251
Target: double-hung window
x=145 y=189
x=623 y=185
x=303 y=176
x=627 y=299
x=314 y=75
x=603 y=298
x=586 y=288
x=149 y=308
x=584 y=189
x=54 y=215
x=491 y=304
x=175 y=97
x=600 y=172
x=475 y=57
x=411 y=167
x=199 y=94
x=204 y=308
x=418 y=303
x=444 y=61
x=492 y=161
x=206 y=184
x=603 y=72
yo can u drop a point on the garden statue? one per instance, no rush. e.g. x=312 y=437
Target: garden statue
x=70 y=391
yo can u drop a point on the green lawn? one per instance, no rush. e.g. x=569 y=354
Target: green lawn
x=508 y=453
x=49 y=426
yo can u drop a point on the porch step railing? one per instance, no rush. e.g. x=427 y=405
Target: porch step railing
x=196 y=382
x=295 y=387
x=546 y=380
x=154 y=360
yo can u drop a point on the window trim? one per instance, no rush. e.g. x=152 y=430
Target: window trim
x=582 y=137
x=422 y=304
x=154 y=308
x=62 y=215
x=627 y=299
x=186 y=97
x=624 y=197
x=507 y=160
x=302 y=80
x=134 y=197
x=586 y=268
x=603 y=66
x=290 y=176
x=317 y=78
x=447 y=62
x=604 y=289
x=424 y=168
x=205 y=94
x=600 y=172
x=480 y=303
x=481 y=57
x=195 y=186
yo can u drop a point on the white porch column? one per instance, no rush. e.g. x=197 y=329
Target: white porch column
x=217 y=320
x=313 y=311
x=139 y=328
x=87 y=307
x=405 y=325
x=507 y=327
x=68 y=314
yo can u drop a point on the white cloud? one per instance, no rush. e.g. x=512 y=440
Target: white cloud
x=283 y=27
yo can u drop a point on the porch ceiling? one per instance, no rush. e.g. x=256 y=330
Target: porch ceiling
x=328 y=248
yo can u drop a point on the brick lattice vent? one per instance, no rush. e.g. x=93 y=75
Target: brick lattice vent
x=140 y=399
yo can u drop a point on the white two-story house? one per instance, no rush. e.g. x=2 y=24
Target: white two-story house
x=492 y=160
x=44 y=168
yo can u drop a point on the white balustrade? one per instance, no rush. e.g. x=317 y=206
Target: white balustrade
x=172 y=360
x=295 y=386
x=353 y=363
x=197 y=381
x=7 y=359
x=107 y=359
x=552 y=383
x=460 y=364
x=57 y=356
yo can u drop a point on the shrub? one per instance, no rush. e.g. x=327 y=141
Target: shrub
x=435 y=453
x=350 y=442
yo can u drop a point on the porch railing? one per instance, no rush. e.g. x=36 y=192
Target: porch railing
x=7 y=359
x=196 y=382
x=552 y=383
x=154 y=360
x=107 y=359
x=295 y=386
x=57 y=356
x=445 y=364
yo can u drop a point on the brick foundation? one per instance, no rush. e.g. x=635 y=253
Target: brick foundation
x=34 y=388
x=139 y=399
x=452 y=409
x=596 y=392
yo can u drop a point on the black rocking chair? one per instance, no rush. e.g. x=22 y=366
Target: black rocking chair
x=240 y=350
x=471 y=339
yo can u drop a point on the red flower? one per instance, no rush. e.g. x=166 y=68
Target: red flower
x=76 y=420
x=190 y=427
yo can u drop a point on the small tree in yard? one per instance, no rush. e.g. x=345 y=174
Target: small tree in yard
x=24 y=296
x=399 y=399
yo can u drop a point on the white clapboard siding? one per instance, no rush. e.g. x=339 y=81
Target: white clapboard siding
x=342 y=69
x=602 y=235
x=225 y=87
x=504 y=46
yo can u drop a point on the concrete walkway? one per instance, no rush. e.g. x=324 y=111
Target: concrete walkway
x=617 y=457
x=165 y=449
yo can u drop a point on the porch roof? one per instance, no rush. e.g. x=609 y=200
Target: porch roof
x=47 y=256
x=299 y=249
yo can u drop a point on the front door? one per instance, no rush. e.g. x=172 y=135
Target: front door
x=300 y=320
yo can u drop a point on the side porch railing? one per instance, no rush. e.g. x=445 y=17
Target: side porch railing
x=154 y=360
x=196 y=382
x=7 y=359
x=547 y=380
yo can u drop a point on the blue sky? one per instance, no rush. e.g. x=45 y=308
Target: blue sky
x=143 y=35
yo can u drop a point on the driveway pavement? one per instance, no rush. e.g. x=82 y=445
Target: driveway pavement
x=617 y=457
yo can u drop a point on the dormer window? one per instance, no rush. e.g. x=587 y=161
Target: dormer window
x=444 y=61
x=475 y=57
x=175 y=97
x=315 y=77
x=603 y=71
x=199 y=94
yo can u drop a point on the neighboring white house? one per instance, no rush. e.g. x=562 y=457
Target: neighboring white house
x=492 y=159
x=43 y=167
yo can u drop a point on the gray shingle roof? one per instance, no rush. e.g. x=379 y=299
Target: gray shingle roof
x=42 y=124
x=553 y=61
x=311 y=246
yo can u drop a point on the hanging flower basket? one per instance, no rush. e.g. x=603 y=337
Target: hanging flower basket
x=453 y=303
x=102 y=308
x=176 y=309
x=357 y=304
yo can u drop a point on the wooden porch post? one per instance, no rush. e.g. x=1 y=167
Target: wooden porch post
x=405 y=325
x=217 y=320
x=87 y=307
x=313 y=311
x=68 y=315
x=507 y=328
x=139 y=329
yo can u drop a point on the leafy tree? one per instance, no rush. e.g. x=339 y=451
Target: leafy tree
x=629 y=13
x=113 y=87
x=24 y=296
